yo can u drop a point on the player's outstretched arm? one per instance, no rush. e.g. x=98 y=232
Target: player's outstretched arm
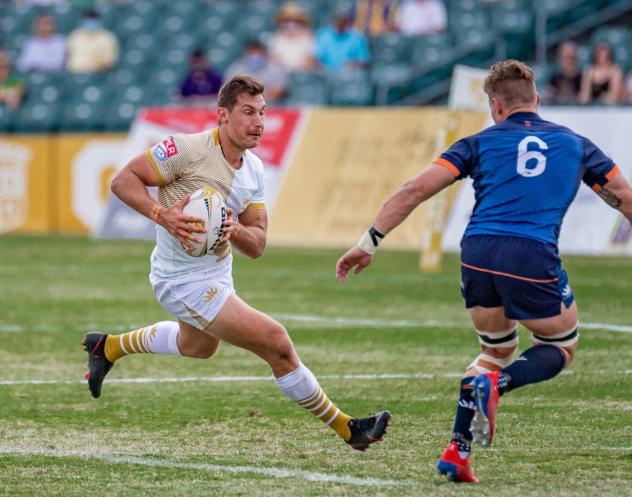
x=617 y=193
x=130 y=185
x=397 y=208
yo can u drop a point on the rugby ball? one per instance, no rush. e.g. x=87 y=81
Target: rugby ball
x=207 y=204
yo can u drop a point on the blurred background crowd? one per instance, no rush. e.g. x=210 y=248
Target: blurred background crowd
x=90 y=65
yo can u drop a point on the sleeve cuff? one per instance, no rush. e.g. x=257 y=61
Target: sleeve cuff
x=154 y=166
x=613 y=172
x=440 y=161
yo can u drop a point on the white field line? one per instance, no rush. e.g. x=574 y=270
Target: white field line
x=407 y=323
x=333 y=321
x=229 y=379
x=213 y=468
x=368 y=322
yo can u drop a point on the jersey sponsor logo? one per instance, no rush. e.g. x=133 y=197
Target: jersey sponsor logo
x=170 y=147
x=159 y=153
x=467 y=404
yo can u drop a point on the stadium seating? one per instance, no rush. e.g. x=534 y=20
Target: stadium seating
x=350 y=87
x=157 y=38
x=307 y=88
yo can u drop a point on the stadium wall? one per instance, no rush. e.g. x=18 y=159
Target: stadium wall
x=56 y=183
x=328 y=171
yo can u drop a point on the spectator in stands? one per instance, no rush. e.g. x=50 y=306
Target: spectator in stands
x=565 y=83
x=374 y=17
x=91 y=47
x=46 y=50
x=43 y=3
x=257 y=64
x=339 y=46
x=201 y=82
x=602 y=81
x=293 y=45
x=422 y=17
x=11 y=89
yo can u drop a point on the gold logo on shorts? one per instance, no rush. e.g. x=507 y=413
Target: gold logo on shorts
x=209 y=295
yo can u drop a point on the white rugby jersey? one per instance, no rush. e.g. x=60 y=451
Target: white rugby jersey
x=185 y=163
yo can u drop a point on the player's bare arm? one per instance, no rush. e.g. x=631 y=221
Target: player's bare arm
x=249 y=234
x=617 y=193
x=130 y=185
x=395 y=210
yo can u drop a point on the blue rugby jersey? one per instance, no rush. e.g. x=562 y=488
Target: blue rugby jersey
x=526 y=172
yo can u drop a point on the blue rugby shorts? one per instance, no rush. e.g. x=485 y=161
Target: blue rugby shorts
x=523 y=275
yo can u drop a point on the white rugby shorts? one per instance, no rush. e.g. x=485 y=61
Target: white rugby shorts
x=196 y=298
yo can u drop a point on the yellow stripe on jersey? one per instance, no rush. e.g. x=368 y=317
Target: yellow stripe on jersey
x=154 y=166
x=260 y=206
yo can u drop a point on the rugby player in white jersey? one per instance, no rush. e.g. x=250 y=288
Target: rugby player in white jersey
x=199 y=291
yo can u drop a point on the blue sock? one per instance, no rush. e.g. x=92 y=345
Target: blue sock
x=464 y=413
x=539 y=363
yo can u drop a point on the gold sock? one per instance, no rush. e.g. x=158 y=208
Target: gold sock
x=321 y=407
x=134 y=342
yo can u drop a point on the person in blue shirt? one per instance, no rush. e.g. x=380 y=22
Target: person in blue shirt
x=526 y=172
x=339 y=46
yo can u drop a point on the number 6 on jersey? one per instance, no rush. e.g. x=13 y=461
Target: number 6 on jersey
x=525 y=156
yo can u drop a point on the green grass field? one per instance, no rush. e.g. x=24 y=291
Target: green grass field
x=218 y=436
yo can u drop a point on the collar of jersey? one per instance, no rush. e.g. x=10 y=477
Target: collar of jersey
x=516 y=116
x=215 y=136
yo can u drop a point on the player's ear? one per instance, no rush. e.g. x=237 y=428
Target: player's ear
x=222 y=115
x=538 y=99
x=496 y=105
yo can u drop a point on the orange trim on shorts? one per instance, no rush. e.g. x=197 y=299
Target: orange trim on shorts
x=613 y=172
x=508 y=275
x=448 y=165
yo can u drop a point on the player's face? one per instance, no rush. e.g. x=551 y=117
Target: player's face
x=245 y=122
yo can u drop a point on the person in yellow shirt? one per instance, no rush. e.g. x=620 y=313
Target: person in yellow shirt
x=11 y=89
x=91 y=47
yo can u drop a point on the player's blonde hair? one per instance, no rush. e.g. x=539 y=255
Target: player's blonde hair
x=235 y=86
x=511 y=81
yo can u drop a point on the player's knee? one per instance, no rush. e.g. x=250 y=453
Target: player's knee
x=570 y=354
x=498 y=348
x=503 y=342
x=281 y=348
x=566 y=341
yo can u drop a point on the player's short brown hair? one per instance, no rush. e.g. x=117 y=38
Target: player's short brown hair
x=511 y=81
x=235 y=86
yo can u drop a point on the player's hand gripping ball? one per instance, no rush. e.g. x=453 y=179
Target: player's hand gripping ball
x=207 y=204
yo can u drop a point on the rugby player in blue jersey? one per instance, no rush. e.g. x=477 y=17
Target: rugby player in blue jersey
x=526 y=172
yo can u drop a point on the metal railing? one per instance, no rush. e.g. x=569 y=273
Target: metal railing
x=544 y=41
x=440 y=88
